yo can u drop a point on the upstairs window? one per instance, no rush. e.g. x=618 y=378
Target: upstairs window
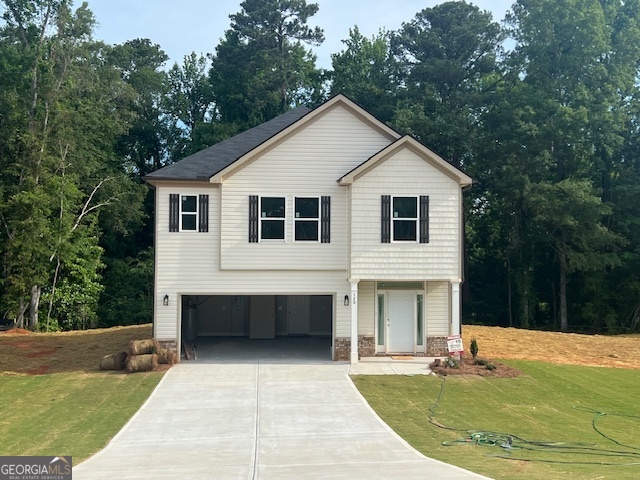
x=188 y=213
x=405 y=219
x=307 y=219
x=272 y=218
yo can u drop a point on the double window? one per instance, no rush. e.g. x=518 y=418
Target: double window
x=310 y=220
x=188 y=213
x=405 y=219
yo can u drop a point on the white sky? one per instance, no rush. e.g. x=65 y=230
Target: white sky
x=180 y=27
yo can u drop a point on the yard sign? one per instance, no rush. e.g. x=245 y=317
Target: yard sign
x=454 y=344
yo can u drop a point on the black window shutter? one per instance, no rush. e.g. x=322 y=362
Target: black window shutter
x=203 y=220
x=253 y=219
x=174 y=212
x=325 y=219
x=424 y=219
x=386 y=219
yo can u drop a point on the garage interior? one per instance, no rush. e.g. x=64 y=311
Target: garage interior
x=256 y=327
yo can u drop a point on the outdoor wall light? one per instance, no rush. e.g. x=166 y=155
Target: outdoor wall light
x=165 y=301
x=346 y=300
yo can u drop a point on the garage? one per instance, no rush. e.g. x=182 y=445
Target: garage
x=273 y=324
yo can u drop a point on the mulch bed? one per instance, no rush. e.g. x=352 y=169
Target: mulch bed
x=468 y=367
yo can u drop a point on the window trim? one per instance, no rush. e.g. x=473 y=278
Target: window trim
x=317 y=219
x=195 y=214
x=416 y=219
x=273 y=219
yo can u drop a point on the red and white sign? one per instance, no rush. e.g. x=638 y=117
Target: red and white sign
x=454 y=344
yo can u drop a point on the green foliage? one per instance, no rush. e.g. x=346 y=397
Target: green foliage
x=261 y=67
x=128 y=295
x=474 y=348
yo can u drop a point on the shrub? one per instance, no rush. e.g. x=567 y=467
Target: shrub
x=474 y=348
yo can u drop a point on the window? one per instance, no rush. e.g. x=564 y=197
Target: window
x=307 y=219
x=272 y=218
x=311 y=219
x=420 y=323
x=405 y=219
x=188 y=213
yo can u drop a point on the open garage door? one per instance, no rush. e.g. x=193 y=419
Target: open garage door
x=256 y=317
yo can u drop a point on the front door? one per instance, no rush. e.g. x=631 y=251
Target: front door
x=400 y=322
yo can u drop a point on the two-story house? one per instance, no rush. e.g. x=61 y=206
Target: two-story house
x=319 y=222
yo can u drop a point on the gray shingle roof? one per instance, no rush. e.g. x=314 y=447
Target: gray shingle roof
x=204 y=164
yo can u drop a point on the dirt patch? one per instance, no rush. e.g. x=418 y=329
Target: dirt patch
x=468 y=367
x=79 y=351
x=621 y=351
x=15 y=331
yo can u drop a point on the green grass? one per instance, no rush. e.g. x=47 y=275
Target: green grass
x=537 y=406
x=68 y=413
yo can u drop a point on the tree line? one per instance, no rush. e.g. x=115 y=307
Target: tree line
x=540 y=109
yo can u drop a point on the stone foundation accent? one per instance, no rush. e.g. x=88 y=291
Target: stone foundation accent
x=437 y=347
x=366 y=346
x=342 y=350
x=169 y=345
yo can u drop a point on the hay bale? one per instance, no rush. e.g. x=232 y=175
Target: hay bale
x=167 y=357
x=142 y=363
x=143 y=347
x=115 y=361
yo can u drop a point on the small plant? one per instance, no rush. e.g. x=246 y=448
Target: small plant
x=480 y=361
x=452 y=362
x=474 y=348
x=490 y=366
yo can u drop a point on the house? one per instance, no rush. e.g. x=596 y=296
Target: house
x=319 y=222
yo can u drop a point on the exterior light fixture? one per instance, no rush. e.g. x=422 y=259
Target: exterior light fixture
x=346 y=300
x=165 y=300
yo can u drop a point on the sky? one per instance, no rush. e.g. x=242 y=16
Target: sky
x=180 y=27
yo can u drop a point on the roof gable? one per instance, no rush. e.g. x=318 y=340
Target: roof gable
x=338 y=101
x=423 y=152
x=202 y=165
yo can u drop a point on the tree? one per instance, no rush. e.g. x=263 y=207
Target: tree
x=57 y=174
x=365 y=71
x=448 y=61
x=261 y=68
x=188 y=104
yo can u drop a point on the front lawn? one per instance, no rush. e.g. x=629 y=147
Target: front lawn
x=68 y=413
x=54 y=400
x=546 y=403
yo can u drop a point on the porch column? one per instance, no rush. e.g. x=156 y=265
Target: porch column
x=455 y=307
x=354 y=322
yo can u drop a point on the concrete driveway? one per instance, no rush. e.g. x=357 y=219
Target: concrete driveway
x=260 y=421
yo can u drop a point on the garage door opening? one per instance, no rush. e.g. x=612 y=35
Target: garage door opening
x=267 y=326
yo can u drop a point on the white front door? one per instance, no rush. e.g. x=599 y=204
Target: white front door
x=400 y=322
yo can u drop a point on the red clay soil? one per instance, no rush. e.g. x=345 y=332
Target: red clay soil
x=81 y=351
x=16 y=331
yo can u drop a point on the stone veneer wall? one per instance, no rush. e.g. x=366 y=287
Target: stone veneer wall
x=366 y=346
x=437 y=347
x=342 y=349
x=169 y=345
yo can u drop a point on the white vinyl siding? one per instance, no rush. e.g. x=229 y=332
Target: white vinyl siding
x=437 y=304
x=366 y=308
x=405 y=174
x=307 y=164
x=189 y=265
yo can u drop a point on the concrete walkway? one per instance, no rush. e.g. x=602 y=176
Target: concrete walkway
x=260 y=421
